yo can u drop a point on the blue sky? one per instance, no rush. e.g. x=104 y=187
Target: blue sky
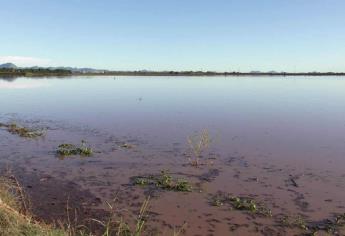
x=220 y=35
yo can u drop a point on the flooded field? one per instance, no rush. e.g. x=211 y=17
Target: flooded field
x=216 y=155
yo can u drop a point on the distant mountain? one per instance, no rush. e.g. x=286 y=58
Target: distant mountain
x=8 y=66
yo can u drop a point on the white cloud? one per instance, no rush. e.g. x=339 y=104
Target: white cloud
x=25 y=61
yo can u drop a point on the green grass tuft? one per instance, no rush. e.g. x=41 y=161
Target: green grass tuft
x=72 y=150
x=163 y=181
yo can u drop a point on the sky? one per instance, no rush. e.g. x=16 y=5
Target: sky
x=217 y=35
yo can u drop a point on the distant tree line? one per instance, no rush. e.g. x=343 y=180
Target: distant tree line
x=34 y=71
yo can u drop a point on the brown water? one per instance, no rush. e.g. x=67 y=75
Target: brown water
x=278 y=140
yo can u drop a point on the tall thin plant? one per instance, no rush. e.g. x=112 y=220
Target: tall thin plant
x=198 y=144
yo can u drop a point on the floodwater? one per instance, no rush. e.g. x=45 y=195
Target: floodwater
x=277 y=140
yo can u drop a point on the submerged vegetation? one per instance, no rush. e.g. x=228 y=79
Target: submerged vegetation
x=332 y=226
x=163 y=181
x=24 y=132
x=198 y=144
x=67 y=149
x=240 y=203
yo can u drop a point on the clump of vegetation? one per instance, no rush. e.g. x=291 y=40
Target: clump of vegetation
x=163 y=181
x=71 y=150
x=241 y=203
x=24 y=132
x=331 y=226
x=198 y=144
x=295 y=222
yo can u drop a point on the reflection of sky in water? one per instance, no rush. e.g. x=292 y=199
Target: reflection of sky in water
x=292 y=112
x=23 y=84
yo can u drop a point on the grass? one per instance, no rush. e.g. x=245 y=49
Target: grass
x=163 y=181
x=14 y=218
x=117 y=226
x=241 y=204
x=198 y=144
x=23 y=132
x=72 y=150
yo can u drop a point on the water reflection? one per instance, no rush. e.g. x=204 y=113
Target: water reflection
x=13 y=83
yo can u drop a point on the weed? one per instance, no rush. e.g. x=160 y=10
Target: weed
x=163 y=181
x=198 y=144
x=23 y=132
x=70 y=149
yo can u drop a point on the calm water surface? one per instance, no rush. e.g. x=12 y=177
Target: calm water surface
x=270 y=129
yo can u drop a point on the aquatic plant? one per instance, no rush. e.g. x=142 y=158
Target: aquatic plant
x=240 y=203
x=329 y=225
x=163 y=181
x=198 y=144
x=67 y=149
x=24 y=132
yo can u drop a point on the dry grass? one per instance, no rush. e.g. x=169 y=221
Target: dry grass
x=198 y=144
x=14 y=217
